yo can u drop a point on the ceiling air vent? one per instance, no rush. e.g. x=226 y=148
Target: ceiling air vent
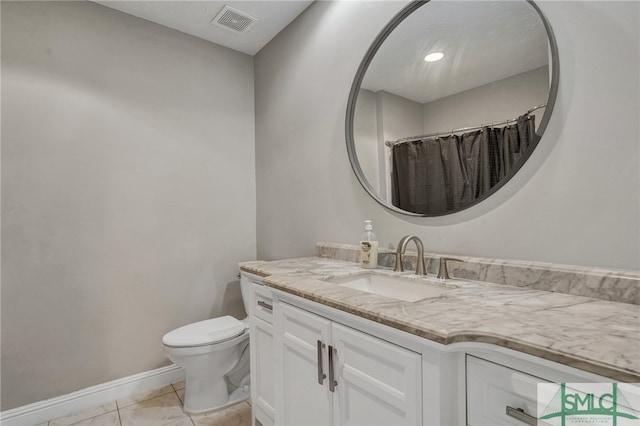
x=234 y=20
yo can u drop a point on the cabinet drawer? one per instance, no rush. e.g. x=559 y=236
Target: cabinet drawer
x=262 y=303
x=491 y=388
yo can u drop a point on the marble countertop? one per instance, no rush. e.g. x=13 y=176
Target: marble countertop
x=598 y=336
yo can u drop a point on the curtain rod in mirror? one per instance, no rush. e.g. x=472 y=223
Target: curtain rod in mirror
x=462 y=129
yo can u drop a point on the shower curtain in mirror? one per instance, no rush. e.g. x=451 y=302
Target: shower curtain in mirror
x=438 y=175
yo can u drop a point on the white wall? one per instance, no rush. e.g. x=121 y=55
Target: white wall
x=365 y=136
x=128 y=192
x=400 y=117
x=494 y=102
x=577 y=201
x=381 y=117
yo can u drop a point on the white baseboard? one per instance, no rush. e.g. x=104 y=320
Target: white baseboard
x=94 y=396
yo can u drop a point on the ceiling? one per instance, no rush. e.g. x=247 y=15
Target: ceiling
x=194 y=17
x=483 y=42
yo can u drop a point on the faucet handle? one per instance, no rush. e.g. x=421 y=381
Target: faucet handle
x=443 y=273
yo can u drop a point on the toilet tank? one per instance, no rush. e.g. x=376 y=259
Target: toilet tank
x=245 y=289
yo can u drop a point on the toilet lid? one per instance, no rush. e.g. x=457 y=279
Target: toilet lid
x=205 y=332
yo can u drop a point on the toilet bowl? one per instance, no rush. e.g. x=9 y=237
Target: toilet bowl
x=215 y=356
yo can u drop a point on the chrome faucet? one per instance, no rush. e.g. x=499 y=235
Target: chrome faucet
x=402 y=246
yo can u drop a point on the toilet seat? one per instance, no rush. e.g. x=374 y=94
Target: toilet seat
x=207 y=332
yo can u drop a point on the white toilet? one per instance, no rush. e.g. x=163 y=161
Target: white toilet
x=215 y=356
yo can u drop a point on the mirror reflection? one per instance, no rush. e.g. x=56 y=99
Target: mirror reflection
x=451 y=104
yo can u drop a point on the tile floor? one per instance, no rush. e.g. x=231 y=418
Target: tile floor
x=161 y=407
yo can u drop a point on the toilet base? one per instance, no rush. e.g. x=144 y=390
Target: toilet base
x=198 y=407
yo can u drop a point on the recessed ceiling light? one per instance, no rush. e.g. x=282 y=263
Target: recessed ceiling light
x=432 y=57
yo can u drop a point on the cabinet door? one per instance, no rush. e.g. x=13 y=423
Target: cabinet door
x=303 y=397
x=262 y=355
x=265 y=393
x=379 y=383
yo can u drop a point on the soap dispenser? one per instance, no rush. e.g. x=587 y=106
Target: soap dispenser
x=368 y=247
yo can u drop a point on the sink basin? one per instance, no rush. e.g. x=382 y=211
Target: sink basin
x=391 y=286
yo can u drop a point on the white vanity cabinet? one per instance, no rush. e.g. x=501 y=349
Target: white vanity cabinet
x=262 y=352
x=315 y=365
x=330 y=374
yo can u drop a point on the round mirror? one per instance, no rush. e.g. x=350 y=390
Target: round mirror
x=449 y=102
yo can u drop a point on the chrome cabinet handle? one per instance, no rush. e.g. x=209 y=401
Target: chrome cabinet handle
x=519 y=414
x=332 y=381
x=321 y=375
x=265 y=305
